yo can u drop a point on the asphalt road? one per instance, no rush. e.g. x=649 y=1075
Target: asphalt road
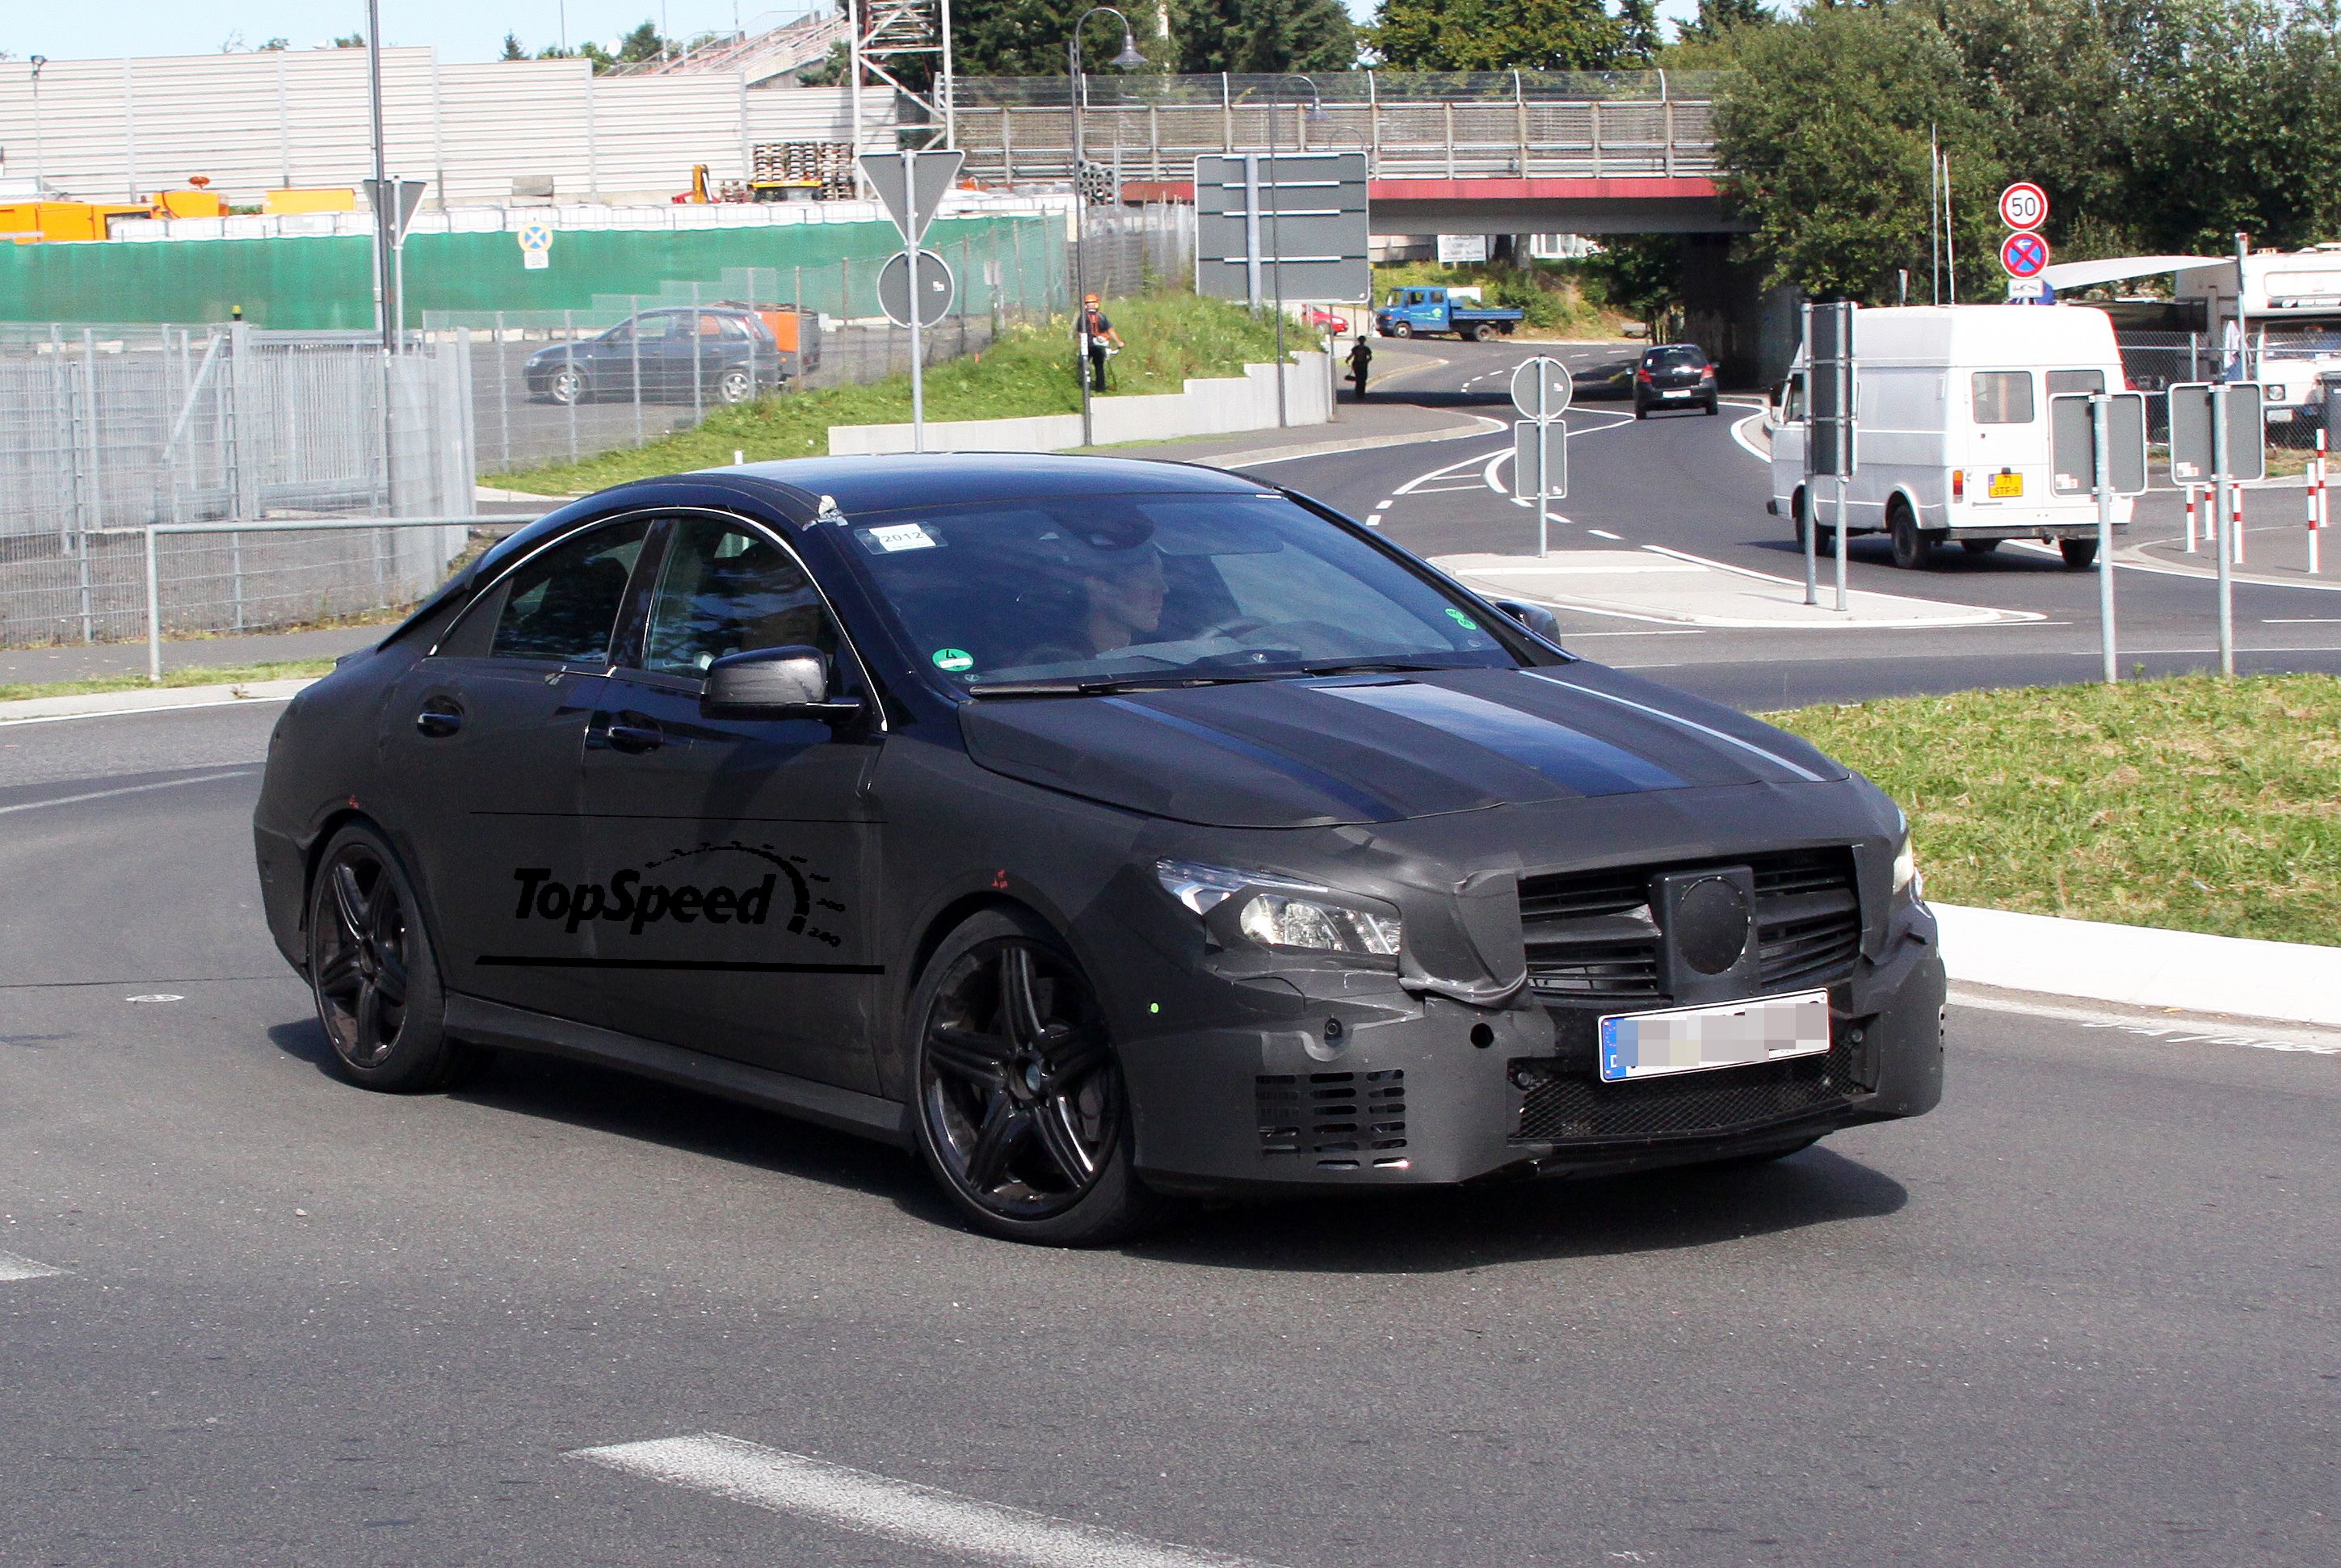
x=2083 y=1314
x=1684 y=483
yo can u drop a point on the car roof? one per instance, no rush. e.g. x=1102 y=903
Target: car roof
x=887 y=484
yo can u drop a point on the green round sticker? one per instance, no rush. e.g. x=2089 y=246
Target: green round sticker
x=1456 y=615
x=954 y=660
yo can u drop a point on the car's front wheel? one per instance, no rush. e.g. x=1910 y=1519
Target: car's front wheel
x=1020 y=1110
x=1402 y=329
x=373 y=972
x=736 y=385
x=566 y=385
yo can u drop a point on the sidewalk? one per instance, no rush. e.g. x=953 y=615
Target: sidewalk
x=82 y=662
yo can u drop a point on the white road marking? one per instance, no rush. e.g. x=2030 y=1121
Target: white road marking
x=1678 y=631
x=2300 y=620
x=891 y=1510
x=1605 y=533
x=125 y=789
x=2256 y=1034
x=1390 y=500
x=1740 y=435
x=12 y=1267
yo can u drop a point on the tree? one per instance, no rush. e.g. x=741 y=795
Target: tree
x=1638 y=32
x=1262 y=36
x=350 y=41
x=1716 y=17
x=513 y=51
x=643 y=44
x=1495 y=34
x=276 y=46
x=1028 y=37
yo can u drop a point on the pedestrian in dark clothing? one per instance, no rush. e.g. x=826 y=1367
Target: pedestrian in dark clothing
x=1098 y=339
x=1362 y=359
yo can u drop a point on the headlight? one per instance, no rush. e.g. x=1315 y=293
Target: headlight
x=1906 y=870
x=1275 y=913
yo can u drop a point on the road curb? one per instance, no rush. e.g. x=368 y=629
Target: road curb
x=2141 y=966
x=1481 y=425
x=149 y=700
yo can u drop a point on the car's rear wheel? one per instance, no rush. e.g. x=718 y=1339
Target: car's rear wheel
x=565 y=386
x=1022 y=1112
x=2079 y=555
x=373 y=972
x=1912 y=546
x=1474 y=332
x=736 y=385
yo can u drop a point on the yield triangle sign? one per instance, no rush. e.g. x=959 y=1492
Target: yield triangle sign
x=911 y=185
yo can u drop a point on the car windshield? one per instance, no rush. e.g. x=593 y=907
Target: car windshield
x=1088 y=592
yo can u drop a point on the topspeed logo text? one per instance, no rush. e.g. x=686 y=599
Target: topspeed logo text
x=626 y=897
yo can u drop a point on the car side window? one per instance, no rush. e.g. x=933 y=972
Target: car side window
x=563 y=603
x=1794 y=409
x=2003 y=397
x=727 y=590
x=654 y=328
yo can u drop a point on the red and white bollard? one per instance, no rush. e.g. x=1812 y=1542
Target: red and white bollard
x=2191 y=493
x=2319 y=516
x=2235 y=522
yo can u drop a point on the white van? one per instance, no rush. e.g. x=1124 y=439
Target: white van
x=1953 y=435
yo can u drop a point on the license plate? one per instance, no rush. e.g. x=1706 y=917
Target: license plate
x=1727 y=1034
x=2004 y=485
x=1679 y=392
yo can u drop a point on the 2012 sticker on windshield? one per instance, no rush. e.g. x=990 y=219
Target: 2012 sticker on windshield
x=892 y=538
x=953 y=660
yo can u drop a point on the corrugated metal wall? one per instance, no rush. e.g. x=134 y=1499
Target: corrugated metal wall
x=327 y=282
x=107 y=130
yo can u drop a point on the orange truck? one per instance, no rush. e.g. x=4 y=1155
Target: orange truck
x=30 y=222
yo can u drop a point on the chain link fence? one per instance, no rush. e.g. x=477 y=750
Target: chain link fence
x=2299 y=368
x=560 y=386
x=107 y=429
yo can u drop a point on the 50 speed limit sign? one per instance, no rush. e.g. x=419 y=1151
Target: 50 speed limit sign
x=2023 y=206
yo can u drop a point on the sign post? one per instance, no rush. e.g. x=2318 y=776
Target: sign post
x=2217 y=429
x=910 y=185
x=1829 y=434
x=2099 y=438
x=1542 y=390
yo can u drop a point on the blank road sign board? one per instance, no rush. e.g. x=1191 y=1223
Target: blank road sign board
x=2072 y=443
x=1829 y=390
x=1300 y=214
x=2190 y=432
x=1540 y=459
x=937 y=288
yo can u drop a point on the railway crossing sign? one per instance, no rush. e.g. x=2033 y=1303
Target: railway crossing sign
x=2024 y=205
x=2023 y=253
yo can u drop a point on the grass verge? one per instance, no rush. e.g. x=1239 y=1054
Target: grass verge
x=1026 y=371
x=193 y=675
x=2191 y=804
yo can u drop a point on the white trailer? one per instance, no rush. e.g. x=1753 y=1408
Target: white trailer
x=2290 y=337
x=1952 y=444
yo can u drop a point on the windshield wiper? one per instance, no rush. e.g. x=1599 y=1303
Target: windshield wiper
x=1090 y=688
x=1373 y=667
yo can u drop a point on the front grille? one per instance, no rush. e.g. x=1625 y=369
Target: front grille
x=1592 y=936
x=1341 y=1120
x=1556 y=1105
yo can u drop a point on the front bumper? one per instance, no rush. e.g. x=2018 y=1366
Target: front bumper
x=1415 y=1090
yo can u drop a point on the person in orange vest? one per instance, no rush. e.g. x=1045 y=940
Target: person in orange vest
x=1096 y=335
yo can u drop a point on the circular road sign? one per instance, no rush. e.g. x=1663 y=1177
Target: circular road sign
x=2023 y=253
x=937 y=288
x=2024 y=205
x=535 y=236
x=1541 y=388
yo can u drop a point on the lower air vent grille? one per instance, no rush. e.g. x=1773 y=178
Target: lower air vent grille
x=1339 y=1119
x=1558 y=1105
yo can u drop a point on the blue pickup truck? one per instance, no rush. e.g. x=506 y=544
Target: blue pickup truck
x=1412 y=311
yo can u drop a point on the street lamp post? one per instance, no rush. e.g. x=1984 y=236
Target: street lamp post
x=1276 y=205
x=1129 y=59
x=40 y=173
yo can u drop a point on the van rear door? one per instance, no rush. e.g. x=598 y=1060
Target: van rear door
x=2008 y=441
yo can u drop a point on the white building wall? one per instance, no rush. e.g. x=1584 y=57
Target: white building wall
x=112 y=130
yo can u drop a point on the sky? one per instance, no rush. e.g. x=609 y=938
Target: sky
x=460 y=29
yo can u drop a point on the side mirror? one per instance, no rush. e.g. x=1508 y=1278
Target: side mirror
x=791 y=682
x=1535 y=617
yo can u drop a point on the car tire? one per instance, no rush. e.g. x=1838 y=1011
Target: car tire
x=565 y=386
x=1711 y=408
x=736 y=385
x=1800 y=508
x=1402 y=329
x=374 y=974
x=1019 y=1107
x=1475 y=333
x=1979 y=547
x=2080 y=554
x=1914 y=548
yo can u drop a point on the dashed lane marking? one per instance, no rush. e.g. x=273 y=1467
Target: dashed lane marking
x=897 y=1511
x=1604 y=533
x=12 y=1267
x=125 y=789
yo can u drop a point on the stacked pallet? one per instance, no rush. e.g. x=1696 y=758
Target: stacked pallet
x=827 y=167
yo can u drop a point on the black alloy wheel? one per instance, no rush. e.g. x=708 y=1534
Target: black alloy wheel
x=372 y=971
x=1022 y=1111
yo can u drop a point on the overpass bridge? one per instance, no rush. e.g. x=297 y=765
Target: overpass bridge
x=1450 y=151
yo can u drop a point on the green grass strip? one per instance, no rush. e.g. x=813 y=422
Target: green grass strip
x=1027 y=371
x=2192 y=804
x=192 y=675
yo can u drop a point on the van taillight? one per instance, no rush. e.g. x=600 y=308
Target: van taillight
x=1958 y=483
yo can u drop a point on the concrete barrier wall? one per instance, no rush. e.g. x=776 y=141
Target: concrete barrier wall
x=1218 y=406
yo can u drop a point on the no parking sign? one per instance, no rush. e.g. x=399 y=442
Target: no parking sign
x=2023 y=253
x=535 y=237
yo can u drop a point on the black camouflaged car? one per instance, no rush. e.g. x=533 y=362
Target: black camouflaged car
x=1106 y=830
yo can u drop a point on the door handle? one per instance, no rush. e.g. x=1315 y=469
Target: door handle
x=633 y=739
x=439 y=719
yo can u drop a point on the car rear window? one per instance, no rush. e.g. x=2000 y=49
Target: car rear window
x=1675 y=358
x=2003 y=397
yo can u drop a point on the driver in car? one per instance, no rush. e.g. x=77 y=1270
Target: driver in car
x=1125 y=590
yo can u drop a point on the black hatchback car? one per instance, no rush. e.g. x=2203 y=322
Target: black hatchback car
x=1674 y=375
x=1106 y=830
x=719 y=353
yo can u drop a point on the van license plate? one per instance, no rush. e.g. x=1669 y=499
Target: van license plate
x=1727 y=1034
x=2004 y=485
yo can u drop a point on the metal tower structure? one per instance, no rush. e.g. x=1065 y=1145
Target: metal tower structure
x=887 y=37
